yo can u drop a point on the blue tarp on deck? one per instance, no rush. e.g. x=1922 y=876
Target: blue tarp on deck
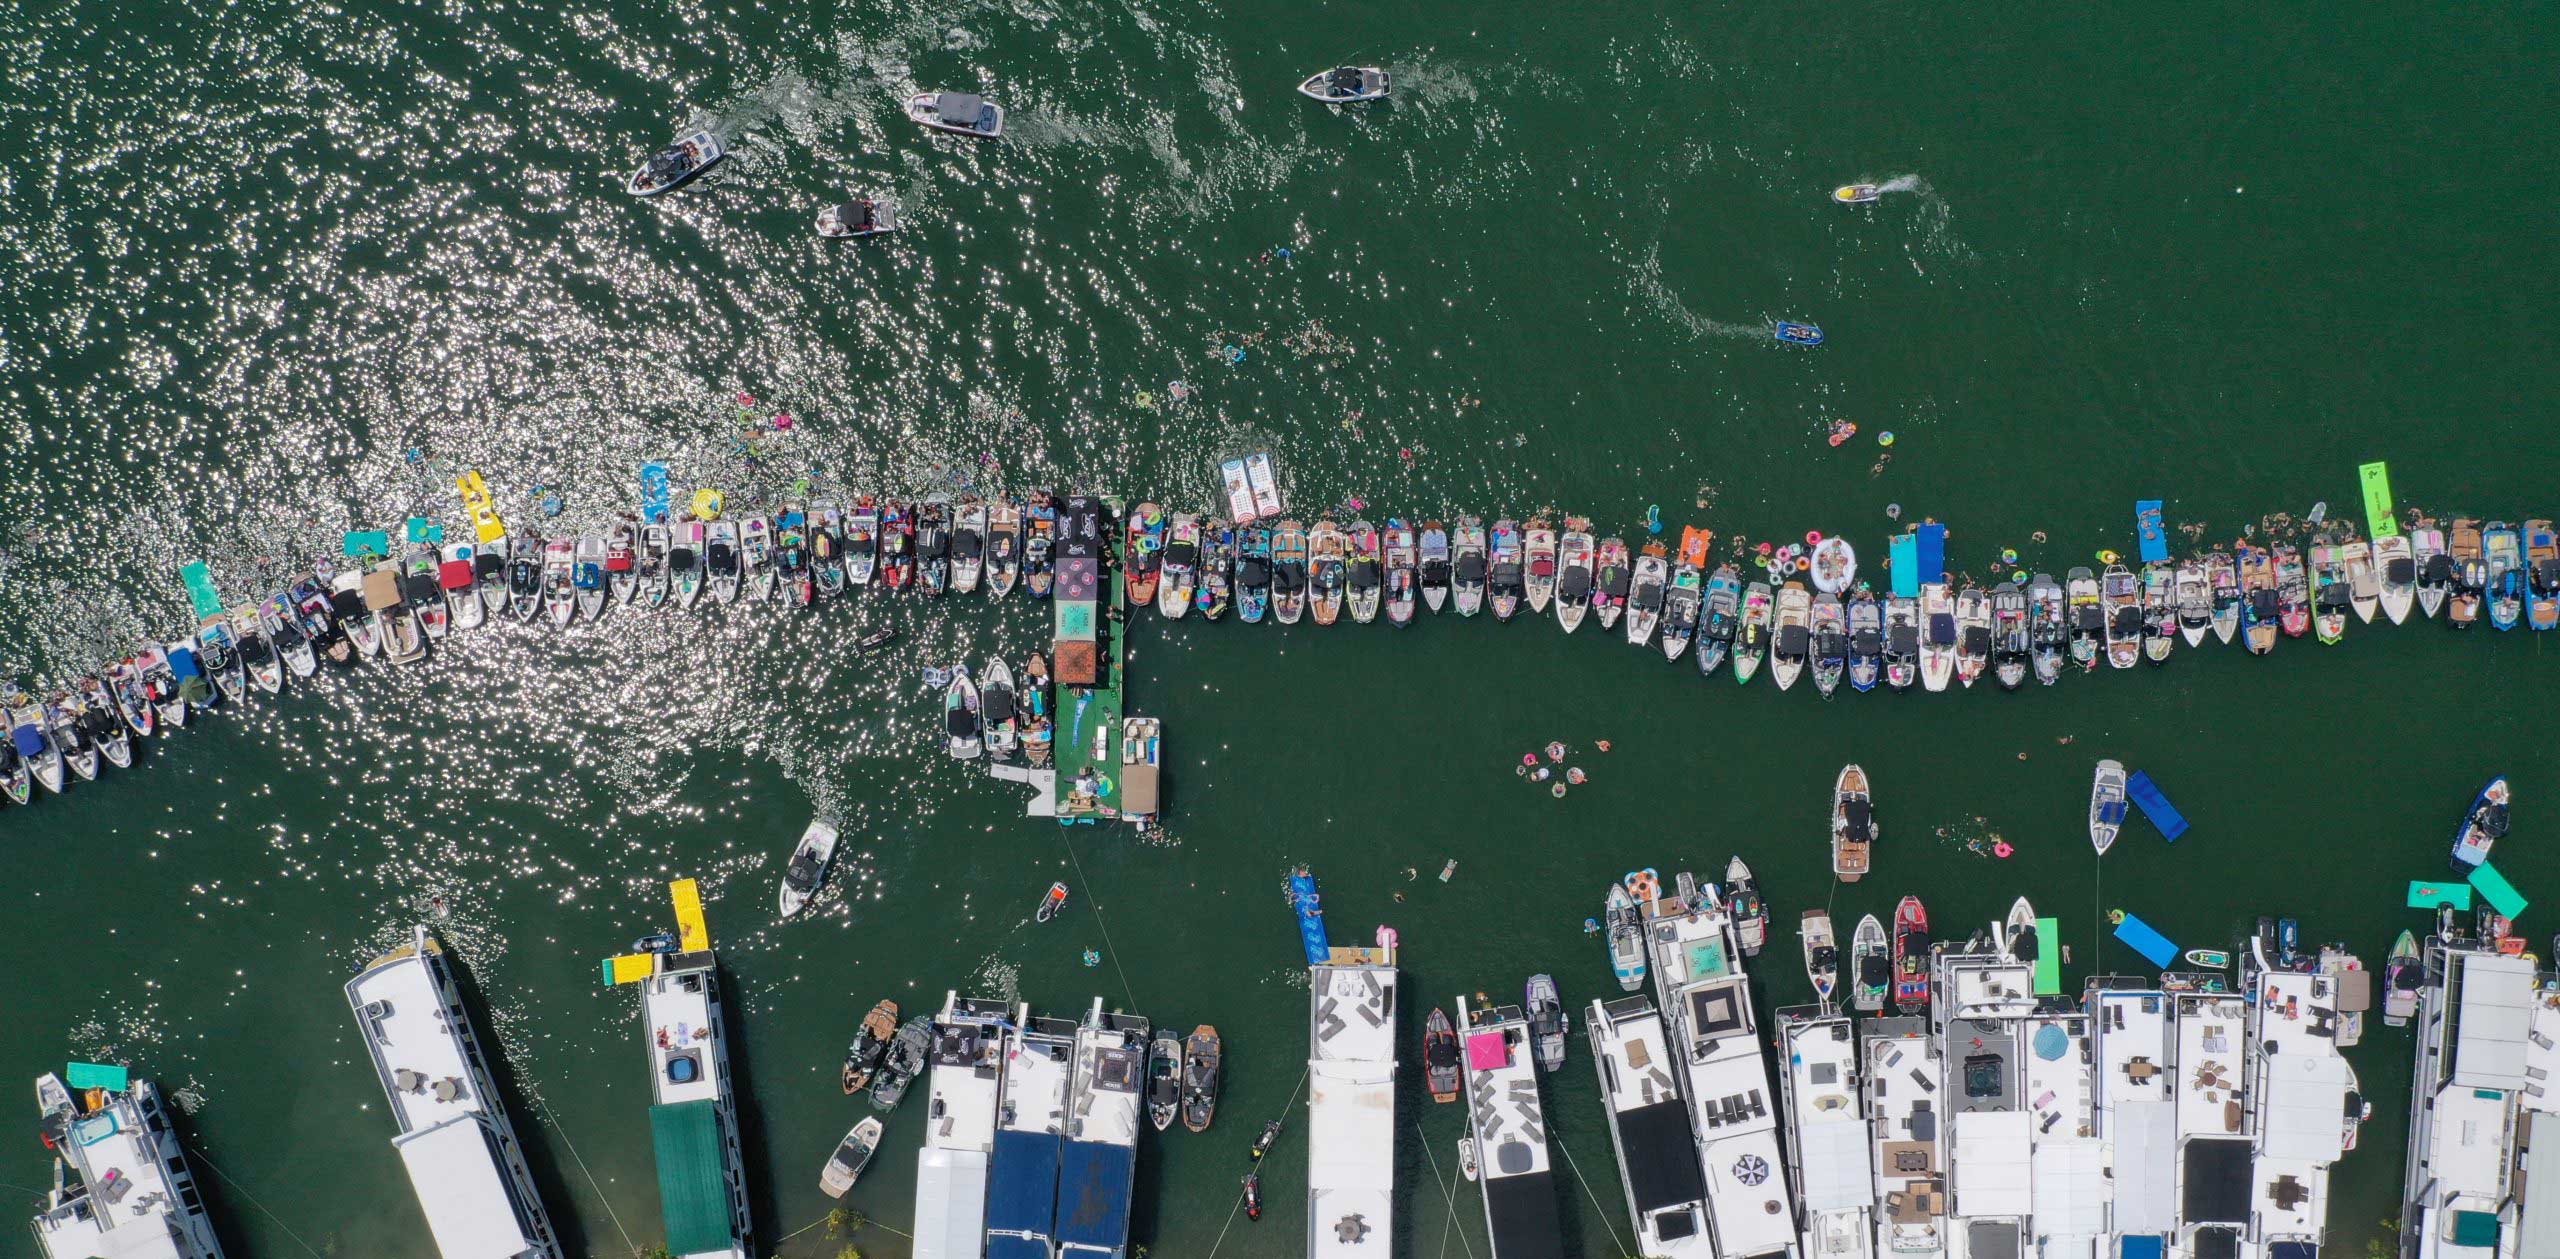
x=2142 y=1246
x=1022 y=1187
x=2138 y=936
x=1933 y=553
x=2146 y=795
x=2153 y=535
x=1903 y=556
x=1093 y=1196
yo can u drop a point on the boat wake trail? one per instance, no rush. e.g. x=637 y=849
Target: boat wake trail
x=1902 y=183
x=1649 y=285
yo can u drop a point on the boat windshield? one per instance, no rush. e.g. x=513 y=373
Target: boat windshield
x=802 y=876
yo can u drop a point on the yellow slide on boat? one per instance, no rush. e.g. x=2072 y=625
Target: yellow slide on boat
x=475 y=502
x=692 y=934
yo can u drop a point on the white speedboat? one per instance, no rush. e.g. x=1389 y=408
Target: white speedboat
x=851 y=1156
x=807 y=871
x=1937 y=636
x=961 y=718
x=1792 y=643
x=720 y=560
x=675 y=165
x=960 y=113
x=1347 y=85
x=685 y=562
x=756 y=545
x=559 y=591
x=457 y=574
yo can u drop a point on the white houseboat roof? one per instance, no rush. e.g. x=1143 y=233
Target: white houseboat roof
x=2068 y=1160
x=450 y=1139
x=2212 y=1051
x=1510 y=1125
x=684 y=1049
x=1902 y=1090
x=2137 y=1115
x=2496 y=1022
x=2303 y=1086
x=1724 y=1074
x=1827 y=1127
x=1657 y=1150
x=1351 y=1108
x=951 y=1170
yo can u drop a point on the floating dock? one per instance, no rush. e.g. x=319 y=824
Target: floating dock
x=1088 y=611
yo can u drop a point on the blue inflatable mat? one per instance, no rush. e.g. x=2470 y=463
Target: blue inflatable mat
x=1904 y=553
x=2146 y=796
x=2153 y=535
x=1933 y=553
x=2138 y=936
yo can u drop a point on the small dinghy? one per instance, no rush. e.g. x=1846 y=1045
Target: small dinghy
x=998 y=708
x=961 y=722
x=1853 y=825
x=458 y=574
x=960 y=113
x=2106 y=806
x=1612 y=571
x=1164 y=1081
x=1821 y=953
x=855 y=219
x=1203 y=1072
x=1624 y=924
x=1253 y=575
x=1856 y=194
x=1870 y=965
x=559 y=591
x=1051 y=902
x=1347 y=85
x=1440 y=1056
x=1791 y=333
x=1468 y=565
x=1434 y=574
x=807 y=871
x=1573 y=576
x=851 y=1155
x=870 y=1044
x=676 y=165
x=1547 y=1021
x=1835 y=565
x=1866 y=641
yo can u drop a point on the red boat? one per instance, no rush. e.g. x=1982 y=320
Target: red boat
x=897 y=547
x=1440 y=1056
x=1910 y=956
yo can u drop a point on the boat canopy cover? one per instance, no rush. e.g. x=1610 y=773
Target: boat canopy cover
x=693 y=1185
x=1977 y=640
x=970 y=544
x=1094 y=1185
x=997 y=703
x=1575 y=584
x=28 y=740
x=457 y=574
x=1903 y=639
x=1347 y=79
x=381 y=589
x=1792 y=640
x=2263 y=603
x=960 y=107
x=1521 y=1213
x=2400 y=570
x=854 y=216
x=1254 y=571
x=1860 y=816
x=1942 y=629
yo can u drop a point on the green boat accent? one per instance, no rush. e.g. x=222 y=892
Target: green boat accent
x=200 y=591
x=693 y=1194
x=2502 y=895
x=2048 y=957
x=2425 y=895
x=1085 y=745
x=2377 y=500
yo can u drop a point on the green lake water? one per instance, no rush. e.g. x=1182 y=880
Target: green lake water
x=280 y=271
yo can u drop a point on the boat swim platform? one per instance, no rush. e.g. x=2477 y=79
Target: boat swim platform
x=1085 y=751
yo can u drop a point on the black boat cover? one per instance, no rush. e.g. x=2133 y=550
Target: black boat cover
x=2263 y=602
x=1346 y=81
x=723 y=556
x=1506 y=576
x=1364 y=574
x=998 y=703
x=1574 y=584
x=2439 y=568
x=802 y=877
x=1289 y=578
x=1977 y=640
x=1866 y=642
x=1182 y=553
x=2400 y=570
x=2546 y=574
x=854 y=216
x=422 y=588
x=1831 y=645
x=2333 y=596
x=1521 y=1210
x=960 y=108
x=1253 y=571
x=1648 y=597
x=1942 y=629
x=961 y=721
x=2128 y=621
x=1435 y=572
x=1471 y=568
x=1613 y=580
x=2088 y=618
x=488 y=564
x=1875 y=970
x=1903 y=640
x=1792 y=640
x=346 y=603
x=932 y=543
x=969 y=545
